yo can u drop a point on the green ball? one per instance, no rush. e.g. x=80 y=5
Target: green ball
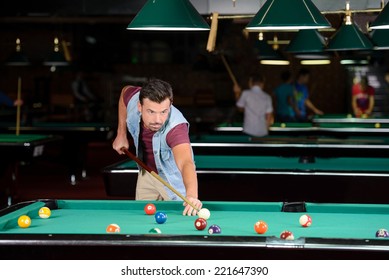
x=155 y=230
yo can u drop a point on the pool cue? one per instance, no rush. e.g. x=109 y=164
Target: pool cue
x=229 y=70
x=212 y=33
x=18 y=106
x=156 y=176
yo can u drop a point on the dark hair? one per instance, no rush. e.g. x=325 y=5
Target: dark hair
x=303 y=72
x=257 y=78
x=156 y=90
x=285 y=76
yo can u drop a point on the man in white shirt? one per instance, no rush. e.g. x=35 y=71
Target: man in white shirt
x=257 y=106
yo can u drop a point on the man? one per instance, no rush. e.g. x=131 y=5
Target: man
x=362 y=98
x=5 y=100
x=302 y=96
x=161 y=138
x=284 y=99
x=257 y=107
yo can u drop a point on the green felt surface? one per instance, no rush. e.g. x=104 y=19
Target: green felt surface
x=241 y=138
x=216 y=162
x=359 y=221
x=353 y=125
x=13 y=138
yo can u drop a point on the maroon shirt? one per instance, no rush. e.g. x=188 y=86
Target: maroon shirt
x=177 y=135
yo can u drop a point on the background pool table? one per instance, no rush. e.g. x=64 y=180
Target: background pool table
x=13 y=150
x=272 y=178
x=282 y=145
x=76 y=137
x=76 y=230
x=309 y=128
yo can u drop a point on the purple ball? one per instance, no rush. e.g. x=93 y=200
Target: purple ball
x=382 y=233
x=214 y=229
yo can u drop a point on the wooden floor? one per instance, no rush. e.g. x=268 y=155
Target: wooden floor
x=47 y=177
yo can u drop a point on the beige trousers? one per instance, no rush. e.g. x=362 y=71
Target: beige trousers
x=149 y=188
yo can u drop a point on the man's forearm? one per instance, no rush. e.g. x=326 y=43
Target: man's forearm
x=190 y=180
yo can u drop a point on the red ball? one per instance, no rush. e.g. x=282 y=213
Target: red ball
x=112 y=228
x=150 y=209
x=260 y=227
x=287 y=235
x=200 y=224
x=305 y=220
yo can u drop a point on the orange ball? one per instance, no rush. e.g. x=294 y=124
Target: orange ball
x=260 y=227
x=24 y=221
x=113 y=228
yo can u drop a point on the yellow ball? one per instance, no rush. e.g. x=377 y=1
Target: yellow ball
x=24 y=221
x=283 y=125
x=44 y=212
x=377 y=125
x=349 y=116
x=364 y=116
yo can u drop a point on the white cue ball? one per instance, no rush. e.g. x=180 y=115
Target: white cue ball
x=204 y=213
x=305 y=221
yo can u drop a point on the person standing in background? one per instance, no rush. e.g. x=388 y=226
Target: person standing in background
x=257 y=106
x=284 y=99
x=362 y=98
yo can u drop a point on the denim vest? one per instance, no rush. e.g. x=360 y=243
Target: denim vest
x=163 y=154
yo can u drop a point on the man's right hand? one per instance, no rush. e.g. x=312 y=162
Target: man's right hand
x=119 y=143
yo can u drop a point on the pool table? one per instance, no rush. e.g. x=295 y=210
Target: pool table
x=77 y=230
x=281 y=145
x=76 y=137
x=348 y=118
x=272 y=178
x=310 y=128
x=16 y=148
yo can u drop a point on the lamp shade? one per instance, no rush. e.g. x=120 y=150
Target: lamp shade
x=380 y=38
x=288 y=15
x=56 y=59
x=168 y=15
x=349 y=37
x=382 y=20
x=268 y=56
x=17 y=58
x=307 y=41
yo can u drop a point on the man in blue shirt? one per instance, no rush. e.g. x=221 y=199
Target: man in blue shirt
x=301 y=97
x=284 y=99
x=5 y=100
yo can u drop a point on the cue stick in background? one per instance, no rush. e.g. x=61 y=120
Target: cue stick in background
x=18 y=106
x=232 y=76
x=213 y=33
x=156 y=176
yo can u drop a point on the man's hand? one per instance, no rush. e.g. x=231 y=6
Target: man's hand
x=119 y=143
x=189 y=211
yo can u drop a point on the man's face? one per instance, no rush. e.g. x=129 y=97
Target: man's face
x=154 y=114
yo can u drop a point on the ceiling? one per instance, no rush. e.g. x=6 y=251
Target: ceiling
x=131 y=7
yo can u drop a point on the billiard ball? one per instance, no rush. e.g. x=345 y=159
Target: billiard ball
x=113 y=228
x=155 y=230
x=24 y=221
x=305 y=220
x=382 y=233
x=377 y=125
x=283 y=125
x=260 y=227
x=44 y=212
x=160 y=217
x=204 y=213
x=150 y=209
x=200 y=224
x=214 y=229
x=349 y=116
x=287 y=235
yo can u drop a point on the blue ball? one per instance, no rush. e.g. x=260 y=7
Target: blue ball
x=160 y=217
